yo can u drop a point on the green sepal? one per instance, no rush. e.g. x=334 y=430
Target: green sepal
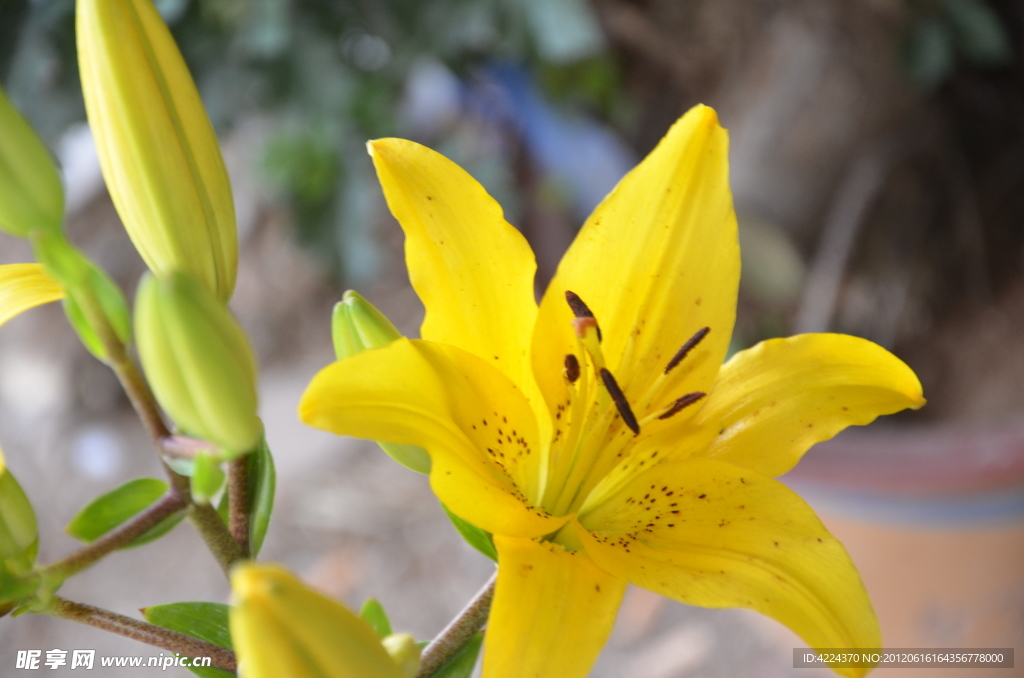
x=207 y=478
x=464 y=661
x=31 y=194
x=373 y=614
x=474 y=536
x=262 y=485
x=205 y=621
x=112 y=509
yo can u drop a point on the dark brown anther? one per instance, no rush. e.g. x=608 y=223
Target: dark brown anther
x=580 y=309
x=572 y=368
x=683 y=403
x=690 y=344
x=620 y=401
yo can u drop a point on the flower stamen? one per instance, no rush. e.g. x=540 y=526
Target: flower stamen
x=690 y=344
x=621 y=404
x=682 y=403
x=580 y=309
x=572 y=368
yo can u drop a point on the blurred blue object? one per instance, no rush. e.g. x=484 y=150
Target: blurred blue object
x=579 y=153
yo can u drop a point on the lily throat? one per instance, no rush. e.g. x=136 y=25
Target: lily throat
x=597 y=428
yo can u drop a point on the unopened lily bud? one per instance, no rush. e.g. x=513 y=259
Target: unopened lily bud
x=405 y=652
x=198 y=361
x=31 y=195
x=280 y=627
x=19 y=537
x=156 y=146
x=357 y=325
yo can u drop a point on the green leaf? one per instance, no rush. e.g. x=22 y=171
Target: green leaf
x=373 y=614
x=206 y=621
x=116 y=507
x=980 y=34
x=463 y=663
x=928 y=53
x=474 y=536
x=262 y=484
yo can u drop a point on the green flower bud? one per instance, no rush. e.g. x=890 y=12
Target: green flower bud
x=356 y=325
x=156 y=146
x=280 y=627
x=207 y=478
x=19 y=537
x=198 y=361
x=403 y=649
x=31 y=195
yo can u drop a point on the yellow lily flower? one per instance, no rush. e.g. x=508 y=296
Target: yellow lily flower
x=599 y=437
x=25 y=286
x=157 y=149
x=280 y=627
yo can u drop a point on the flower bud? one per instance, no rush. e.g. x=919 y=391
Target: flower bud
x=19 y=538
x=198 y=361
x=356 y=325
x=156 y=146
x=405 y=652
x=31 y=195
x=280 y=627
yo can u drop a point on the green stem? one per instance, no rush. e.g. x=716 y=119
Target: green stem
x=239 y=501
x=119 y=537
x=144 y=632
x=218 y=538
x=458 y=632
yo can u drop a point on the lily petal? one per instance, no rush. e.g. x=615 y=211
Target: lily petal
x=772 y=402
x=480 y=432
x=553 y=611
x=657 y=261
x=24 y=286
x=472 y=270
x=708 y=533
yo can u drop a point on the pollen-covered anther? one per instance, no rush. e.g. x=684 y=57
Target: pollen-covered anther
x=690 y=344
x=621 y=404
x=572 y=368
x=682 y=403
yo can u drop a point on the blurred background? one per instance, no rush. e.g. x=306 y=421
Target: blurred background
x=877 y=163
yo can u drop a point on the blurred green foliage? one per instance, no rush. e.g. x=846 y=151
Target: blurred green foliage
x=329 y=74
x=943 y=33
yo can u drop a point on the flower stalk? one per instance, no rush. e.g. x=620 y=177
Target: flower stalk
x=144 y=632
x=239 y=502
x=122 y=536
x=458 y=632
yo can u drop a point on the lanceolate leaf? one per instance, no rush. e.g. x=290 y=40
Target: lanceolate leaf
x=116 y=507
x=373 y=614
x=206 y=621
x=477 y=538
x=262 y=483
